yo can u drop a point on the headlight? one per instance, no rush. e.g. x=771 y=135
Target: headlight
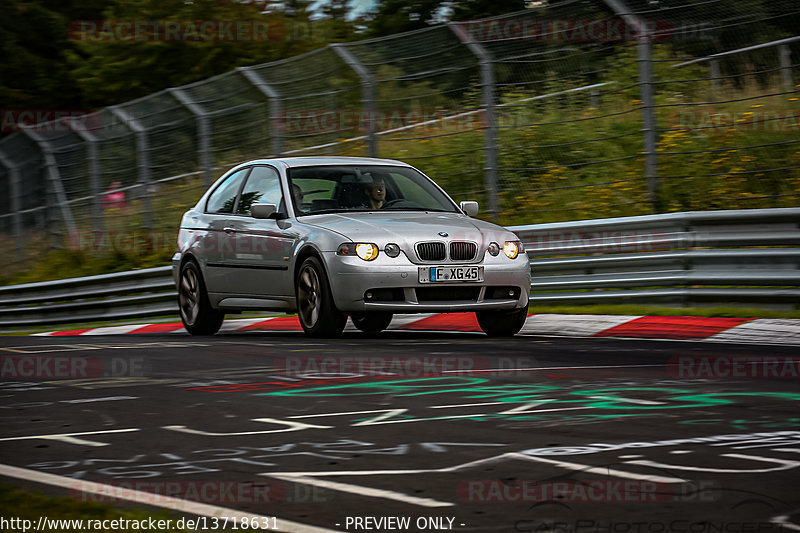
x=365 y=250
x=511 y=249
x=493 y=249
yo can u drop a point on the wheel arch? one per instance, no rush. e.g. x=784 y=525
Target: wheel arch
x=304 y=253
x=188 y=256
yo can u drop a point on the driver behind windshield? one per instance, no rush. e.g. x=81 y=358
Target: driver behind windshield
x=376 y=193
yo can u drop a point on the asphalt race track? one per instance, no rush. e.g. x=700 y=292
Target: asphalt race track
x=439 y=431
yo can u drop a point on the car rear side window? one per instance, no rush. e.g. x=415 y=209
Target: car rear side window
x=263 y=186
x=223 y=199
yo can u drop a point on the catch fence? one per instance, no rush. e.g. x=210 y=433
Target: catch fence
x=567 y=110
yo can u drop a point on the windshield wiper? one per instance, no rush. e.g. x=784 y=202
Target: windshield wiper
x=325 y=212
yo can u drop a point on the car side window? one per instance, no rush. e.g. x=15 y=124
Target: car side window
x=263 y=186
x=223 y=200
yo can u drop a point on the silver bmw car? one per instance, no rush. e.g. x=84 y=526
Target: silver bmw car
x=337 y=236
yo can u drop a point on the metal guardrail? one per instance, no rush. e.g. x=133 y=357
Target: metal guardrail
x=721 y=257
x=731 y=257
x=132 y=294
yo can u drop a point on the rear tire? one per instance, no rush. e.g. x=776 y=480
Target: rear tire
x=318 y=314
x=373 y=322
x=502 y=323
x=197 y=315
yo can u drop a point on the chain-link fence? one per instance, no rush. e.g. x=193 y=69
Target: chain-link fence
x=567 y=110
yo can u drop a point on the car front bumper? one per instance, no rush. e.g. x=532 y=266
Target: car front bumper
x=393 y=285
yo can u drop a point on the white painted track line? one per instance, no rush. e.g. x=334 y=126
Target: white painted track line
x=363 y=491
x=155 y=500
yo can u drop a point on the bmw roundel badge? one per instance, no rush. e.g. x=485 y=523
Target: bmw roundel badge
x=442 y=234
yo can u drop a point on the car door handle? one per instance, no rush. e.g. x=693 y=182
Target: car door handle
x=228 y=229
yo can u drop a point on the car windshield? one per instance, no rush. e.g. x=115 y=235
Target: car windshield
x=345 y=188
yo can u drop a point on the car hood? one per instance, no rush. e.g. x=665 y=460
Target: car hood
x=407 y=228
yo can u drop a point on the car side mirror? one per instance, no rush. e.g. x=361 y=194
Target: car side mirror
x=470 y=208
x=263 y=210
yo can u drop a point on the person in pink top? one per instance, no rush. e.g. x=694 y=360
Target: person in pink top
x=114 y=198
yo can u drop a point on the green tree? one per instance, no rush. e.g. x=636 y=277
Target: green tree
x=111 y=71
x=33 y=46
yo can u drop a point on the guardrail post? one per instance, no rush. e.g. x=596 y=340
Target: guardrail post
x=490 y=136
x=54 y=180
x=94 y=172
x=203 y=131
x=367 y=94
x=785 y=58
x=274 y=106
x=14 y=190
x=143 y=160
x=644 y=56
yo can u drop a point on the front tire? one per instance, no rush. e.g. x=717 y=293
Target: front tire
x=197 y=315
x=318 y=314
x=373 y=322
x=502 y=323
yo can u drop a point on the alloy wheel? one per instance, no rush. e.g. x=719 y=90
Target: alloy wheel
x=189 y=296
x=309 y=296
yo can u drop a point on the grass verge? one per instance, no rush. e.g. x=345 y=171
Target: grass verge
x=27 y=505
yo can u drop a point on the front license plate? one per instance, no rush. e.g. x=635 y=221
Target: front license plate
x=450 y=273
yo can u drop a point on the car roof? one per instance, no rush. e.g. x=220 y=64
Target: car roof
x=290 y=162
